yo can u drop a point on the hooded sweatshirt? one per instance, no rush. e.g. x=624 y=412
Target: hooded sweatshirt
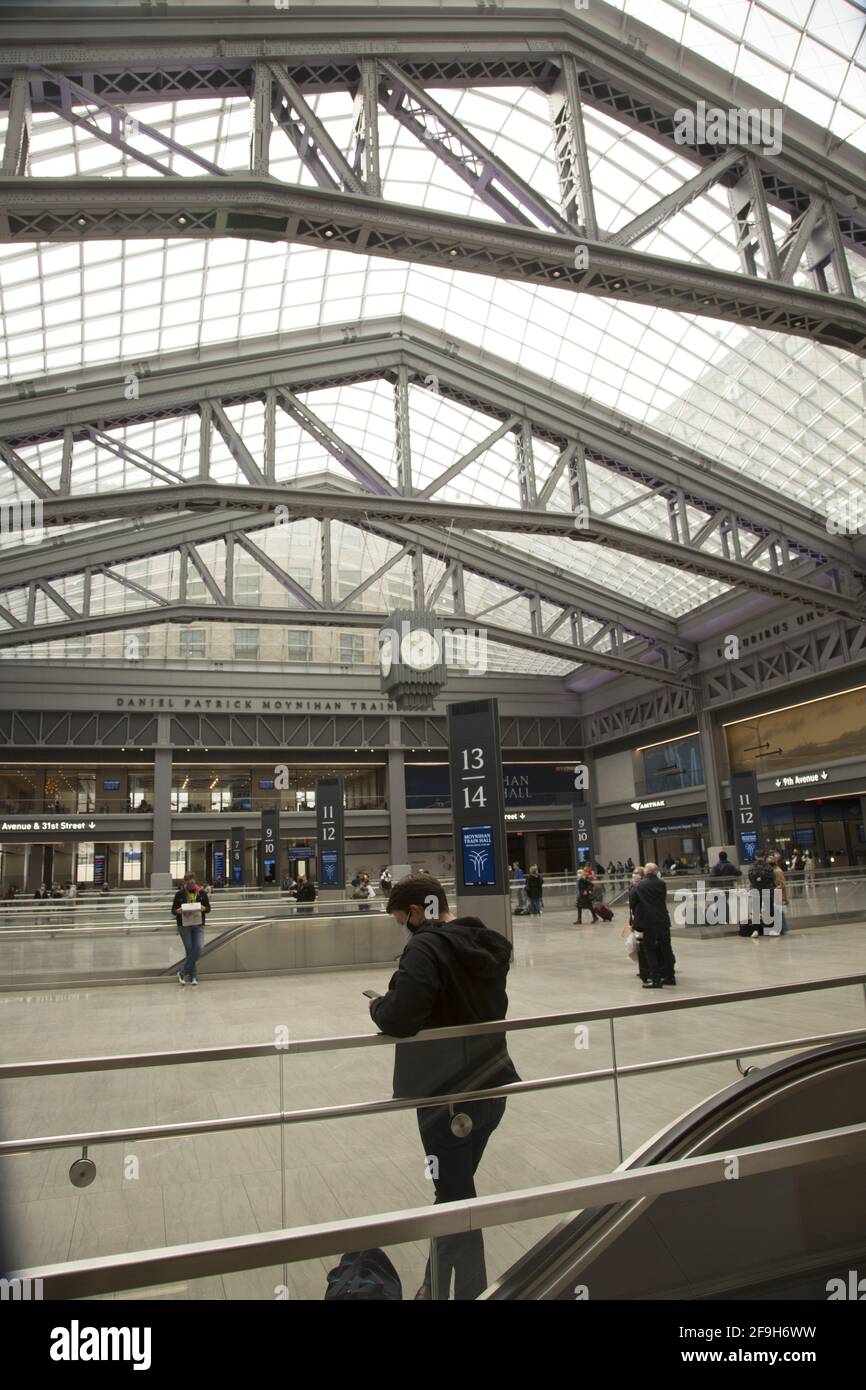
x=449 y=973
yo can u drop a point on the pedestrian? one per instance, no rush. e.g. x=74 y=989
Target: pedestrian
x=762 y=882
x=638 y=954
x=809 y=870
x=723 y=868
x=386 y=882
x=585 y=900
x=191 y=906
x=306 y=894
x=535 y=891
x=520 y=880
x=781 y=899
x=452 y=971
x=629 y=864
x=648 y=903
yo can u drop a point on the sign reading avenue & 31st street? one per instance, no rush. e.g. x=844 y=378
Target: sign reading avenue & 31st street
x=58 y=828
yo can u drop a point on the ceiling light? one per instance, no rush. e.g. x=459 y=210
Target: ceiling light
x=556 y=274
x=329 y=232
x=617 y=285
x=81 y=221
x=454 y=251
x=182 y=221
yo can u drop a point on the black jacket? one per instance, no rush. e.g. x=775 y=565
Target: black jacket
x=449 y=973
x=181 y=897
x=725 y=870
x=648 y=903
x=534 y=885
x=307 y=891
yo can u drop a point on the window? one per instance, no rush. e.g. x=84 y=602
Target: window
x=191 y=642
x=247 y=643
x=132 y=862
x=351 y=648
x=84 y=857
x=248 y=584
x=178 y=858
x=300 y=646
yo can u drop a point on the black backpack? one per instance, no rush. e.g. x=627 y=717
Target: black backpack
x=365 y=1276
x=762 y=877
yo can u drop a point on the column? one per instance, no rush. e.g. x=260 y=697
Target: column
x=399 y=835
x=160 y=875
x=711 y=756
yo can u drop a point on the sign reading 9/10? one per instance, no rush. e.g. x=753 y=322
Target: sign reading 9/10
x=475 y=770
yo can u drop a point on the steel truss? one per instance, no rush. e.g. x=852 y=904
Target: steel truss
x=791 y=557
x=577 y=59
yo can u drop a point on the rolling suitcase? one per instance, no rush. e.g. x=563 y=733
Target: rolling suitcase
x=604 y=912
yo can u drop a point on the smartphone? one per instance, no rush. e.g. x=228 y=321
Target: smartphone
x=371 y=993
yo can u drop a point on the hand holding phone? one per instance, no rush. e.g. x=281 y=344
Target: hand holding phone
x=371 y=994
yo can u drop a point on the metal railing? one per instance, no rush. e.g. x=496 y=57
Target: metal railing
x=247 y=1051
x=233 y=1254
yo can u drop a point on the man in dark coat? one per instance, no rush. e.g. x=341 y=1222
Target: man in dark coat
x=452 y=971
x=648 y=903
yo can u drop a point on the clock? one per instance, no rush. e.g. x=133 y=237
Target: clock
x=386 y=654
x=420 y=650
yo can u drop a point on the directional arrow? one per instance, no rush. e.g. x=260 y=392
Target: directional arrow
x=778 y=781
x=522 y=815
x=91 y=825
x=824 y=776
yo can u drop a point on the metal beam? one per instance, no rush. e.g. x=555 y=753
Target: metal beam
x=311 y=138
x=245 y=206
x=304 y=597
x=206 y=512
x=674 y=202
x=235 y=445
x=27 y=475
x=489 y=440
x=16 y=147
x=365 y=133
x=70 y=95
x=119 y=55
x=475 y=379
x=467 y=156
x=362 y=471
x=374 y=513
x=190 y=613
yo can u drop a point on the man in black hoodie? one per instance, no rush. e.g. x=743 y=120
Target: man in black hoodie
x=451 y=972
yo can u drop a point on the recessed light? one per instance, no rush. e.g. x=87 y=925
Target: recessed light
x=556 y=275
x=453 y=251
x=182 y=221
x=329 y=232
x=82 y=221
x=617 y=285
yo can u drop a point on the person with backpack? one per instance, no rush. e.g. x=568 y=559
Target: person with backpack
x=723 y=868
x=535 y=891
x=762 y=880
x=585 y=900
x=190 y=907
x=452 y=971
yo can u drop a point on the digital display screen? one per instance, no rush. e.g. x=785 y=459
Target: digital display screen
x=111 y=786
x=328 y=869
x=265 y=784
x=479 y=863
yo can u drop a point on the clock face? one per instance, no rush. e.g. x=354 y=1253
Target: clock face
x=420 y=650
x=386 y=654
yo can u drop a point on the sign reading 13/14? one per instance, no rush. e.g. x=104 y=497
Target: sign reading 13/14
x=473 y=773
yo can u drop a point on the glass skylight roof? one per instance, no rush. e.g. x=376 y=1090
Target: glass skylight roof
x=784 y=411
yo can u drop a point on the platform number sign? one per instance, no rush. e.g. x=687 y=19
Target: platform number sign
x=583 y=835
x=237 y=847
x=330 y=844
x=747 y=814
x=475 y=767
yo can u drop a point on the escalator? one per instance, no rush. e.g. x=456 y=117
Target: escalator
x=779 y=1235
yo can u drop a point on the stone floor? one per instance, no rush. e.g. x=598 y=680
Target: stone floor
x=149 y=1194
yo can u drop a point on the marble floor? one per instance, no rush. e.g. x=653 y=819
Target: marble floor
x=170 y=1191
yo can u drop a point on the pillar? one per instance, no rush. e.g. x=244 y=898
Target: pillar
x=160 y=873
x=711 y=757
x=399 y=835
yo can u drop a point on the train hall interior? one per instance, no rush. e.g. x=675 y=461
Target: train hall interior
x=432 y=558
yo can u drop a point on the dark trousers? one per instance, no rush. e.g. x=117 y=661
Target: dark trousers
x=657 y=960
x=586 y=907
x=454 y=1179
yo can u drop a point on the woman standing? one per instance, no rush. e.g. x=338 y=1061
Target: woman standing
x=584 y=899
x=534 y=884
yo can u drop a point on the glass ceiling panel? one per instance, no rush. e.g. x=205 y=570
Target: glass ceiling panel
x=784 y=411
